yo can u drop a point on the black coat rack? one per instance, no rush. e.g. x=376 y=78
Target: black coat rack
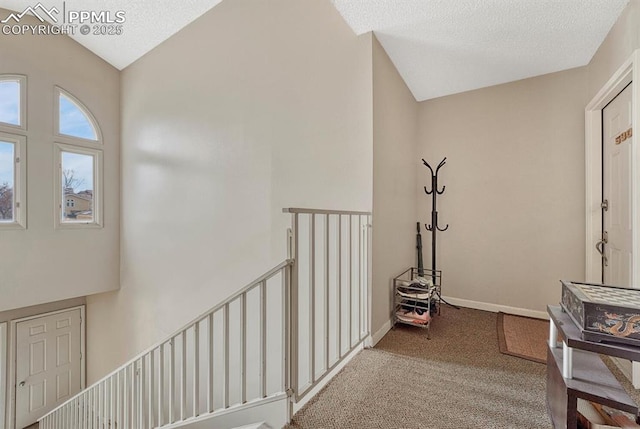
x=434 y=227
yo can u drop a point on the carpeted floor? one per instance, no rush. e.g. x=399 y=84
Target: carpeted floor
x=624 y=381
x=458 y=379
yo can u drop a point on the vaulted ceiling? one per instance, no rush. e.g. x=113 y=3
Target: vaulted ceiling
x=147 y=23
x=440 y=47
x=443 y=47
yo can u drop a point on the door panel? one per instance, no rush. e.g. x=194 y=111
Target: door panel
x=617 y=218
x=48 y=364
x=616 y=189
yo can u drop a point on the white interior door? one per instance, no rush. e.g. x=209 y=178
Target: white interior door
x=48 y=364
x=616 y=190
x=617 y=264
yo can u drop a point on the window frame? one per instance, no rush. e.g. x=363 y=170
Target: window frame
x=66 y=138
x=22 y=79
x=19 y=181
x=59 y=200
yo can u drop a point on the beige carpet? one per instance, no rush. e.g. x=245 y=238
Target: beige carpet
x=456 y=380
x=523 y=337
x=624 y=381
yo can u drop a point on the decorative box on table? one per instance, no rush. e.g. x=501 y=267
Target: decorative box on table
x=602 y=312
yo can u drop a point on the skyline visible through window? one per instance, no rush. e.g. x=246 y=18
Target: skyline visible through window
x=7 y=181
x=77 y=187
x=73 y=121
x=10 y=102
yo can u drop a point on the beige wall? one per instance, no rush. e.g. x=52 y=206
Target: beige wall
x=622 y=40
x=515 y=179
x=515 y=188
x=36 y=262
x=395 y=139
x=255 y=106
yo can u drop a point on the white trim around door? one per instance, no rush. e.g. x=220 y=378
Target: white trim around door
x=10 y=410
x=628 y=72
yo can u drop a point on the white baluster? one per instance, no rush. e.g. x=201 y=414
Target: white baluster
x=312 y=298
x=243 y=348
x=172 y=376
x=263 y=339
x=210 y=384
x=183 y=377
x=196 y=370
x=226 y=356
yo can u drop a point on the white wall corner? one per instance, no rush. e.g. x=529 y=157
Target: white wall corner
x=375 y=338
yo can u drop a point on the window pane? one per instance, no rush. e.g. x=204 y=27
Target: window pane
x=73 y=121
x=10 y=102
x=77 y=187
x=7 y=180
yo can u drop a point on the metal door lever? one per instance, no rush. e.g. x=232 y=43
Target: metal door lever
x=22 y=383
x=600 y=248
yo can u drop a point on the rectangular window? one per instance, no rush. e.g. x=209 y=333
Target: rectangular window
x=12 y=100
x=12 y=179
x=78 y=190
x=7 y=181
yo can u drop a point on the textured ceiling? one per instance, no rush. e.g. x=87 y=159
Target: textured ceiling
x=148 y=23
x=440 y=47
x=443 y=47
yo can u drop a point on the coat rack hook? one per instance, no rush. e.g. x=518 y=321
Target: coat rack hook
x=443 y=229
x=428 y=227
x=442 y=191
x=428 y=192
x=427 y=164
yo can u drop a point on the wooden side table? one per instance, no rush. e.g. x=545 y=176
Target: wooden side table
x=575 y=370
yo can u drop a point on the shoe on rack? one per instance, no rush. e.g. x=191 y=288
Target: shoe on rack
x=424 y=281
x=413 y=292
x=413 y=317
x=417 y=306
x=418 y=282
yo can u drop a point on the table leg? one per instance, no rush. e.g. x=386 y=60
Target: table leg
x=567 y=361
x=553 y=334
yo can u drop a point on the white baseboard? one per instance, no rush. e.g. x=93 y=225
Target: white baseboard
x=375 y=338
x=272 y=412
x=496 y=308
x=256 y=426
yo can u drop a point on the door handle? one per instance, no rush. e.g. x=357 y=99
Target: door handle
x=600 y=248
x=22 y=383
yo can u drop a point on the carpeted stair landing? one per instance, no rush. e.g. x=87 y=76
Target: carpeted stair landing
x=458 y=379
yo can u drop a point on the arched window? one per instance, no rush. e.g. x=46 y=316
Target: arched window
x=13 y=100
x=74 y=119
x=79 y=175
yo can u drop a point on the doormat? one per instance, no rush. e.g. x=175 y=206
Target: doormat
x=523 y=337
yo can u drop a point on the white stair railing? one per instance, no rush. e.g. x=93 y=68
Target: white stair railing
x=330 y=297
x=200 y=370
x=278 y=337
